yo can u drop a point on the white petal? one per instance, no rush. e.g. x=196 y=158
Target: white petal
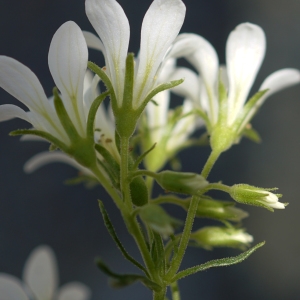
x=183 y=45
x=183 y=128
x=157 y=116
x=21 y=82
x=41 y=159
x=91 y=93
x=40 y=272
x=111 y=24
x=68 y=57
x=206 y=62
x=9 y=111
x=275 y=82
x=32 y=138
x=190 y=86
x=278 y=81
x=11 y=288
x=93 y=41
x=74 y=291
x=161 y=25
x=245 y=51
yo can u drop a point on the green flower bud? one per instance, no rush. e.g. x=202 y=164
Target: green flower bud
x=219 y=210
x=157 y=218
x=179 y=182
x=213 y=236
x=139 y=191
x=252 y=195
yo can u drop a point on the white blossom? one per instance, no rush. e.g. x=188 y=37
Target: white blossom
x=160 y=27
x=40 y=281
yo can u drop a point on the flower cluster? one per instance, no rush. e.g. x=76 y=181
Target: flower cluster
x=124 y=144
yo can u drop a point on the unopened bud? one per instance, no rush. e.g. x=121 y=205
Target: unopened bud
x=213 y=236
x=180 y=182
x=219 y=210
x=252 y=195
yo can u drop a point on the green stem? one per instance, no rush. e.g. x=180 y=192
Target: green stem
x=160 y=295
x=124 y=172
x=214 y=155
x=216 y=186
x=175 y=291
x=131 y=222
x=177 y=259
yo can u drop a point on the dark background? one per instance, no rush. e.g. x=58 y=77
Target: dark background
x=39 y=209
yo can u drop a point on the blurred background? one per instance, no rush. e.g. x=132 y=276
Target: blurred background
x=39 y=209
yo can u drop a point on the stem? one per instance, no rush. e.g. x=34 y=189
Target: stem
x=131 y=222
x=177 y=259
x=160 y=295
x=175 y=291
x=210 y=163
x=108 y=187
x=124 y=172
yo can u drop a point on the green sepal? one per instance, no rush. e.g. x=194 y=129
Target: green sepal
x=129 y=82
x=97 y=70
x=223 y=262
x=113 y=166
x=251 y=134
x=123 y=280
x=45 y=135
x=64 y=118
x=92 y=114
x=141 y=157
x=252 y=104
x=112 y=232
x=160 y=88
x=222 y=100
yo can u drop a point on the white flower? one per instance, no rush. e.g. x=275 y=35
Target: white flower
x=245 y=51
x=67 y=58
x=167 y=128
x=40 y=278
x=160 y=27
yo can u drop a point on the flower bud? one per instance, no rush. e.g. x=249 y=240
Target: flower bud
x=157 y=218
x=180 y=182
x=219 y=210
x=252 y=195
x=213 y=236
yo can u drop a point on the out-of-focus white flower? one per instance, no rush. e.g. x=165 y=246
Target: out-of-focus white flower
x=223 y=109
x=160 y=27
x=40 y=278
x=168 y=128
x=68 y=56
